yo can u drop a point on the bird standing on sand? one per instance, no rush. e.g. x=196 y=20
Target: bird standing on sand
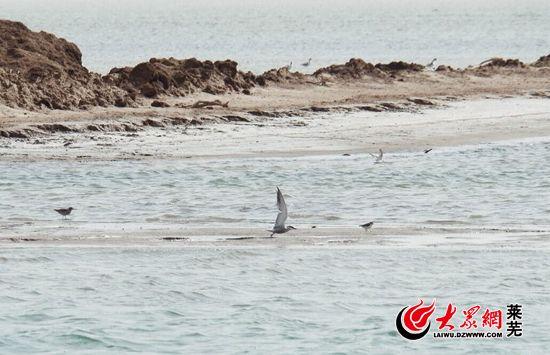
x=306 y=64
x=379 y=157
x=367 y=226
x=279 y=227
x=431 y=65
x=64 y=211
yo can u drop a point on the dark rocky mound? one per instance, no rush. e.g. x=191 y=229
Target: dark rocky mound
x=502 y=63
x=543 y=61
x=445 y=68
x=180 y=77
x=38 y=69
x=35 y=54
x=281 y=75
x=358 y=68
x=394 y=67
x=353 y=69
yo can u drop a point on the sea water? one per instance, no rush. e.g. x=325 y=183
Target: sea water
x=232 y=299
x=258 y=301
x=176 y=299
x=505 y=185
x=263 y=34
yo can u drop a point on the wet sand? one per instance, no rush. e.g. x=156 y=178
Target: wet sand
x=451 y=123
x=286 y=122
x=380 y=237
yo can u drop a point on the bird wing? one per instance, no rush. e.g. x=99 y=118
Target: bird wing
x=380 y=155
x=283 y=214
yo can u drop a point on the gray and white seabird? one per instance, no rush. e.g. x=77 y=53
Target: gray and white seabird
x=379 y=156
x=306 y=64
x=279 y=227
x=431 y=65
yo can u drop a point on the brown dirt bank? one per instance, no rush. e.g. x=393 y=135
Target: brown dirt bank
x=41 y=74
x=39 y=70
x=175 y=77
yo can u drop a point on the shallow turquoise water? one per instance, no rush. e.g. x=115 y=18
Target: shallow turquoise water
x=238 y=300
x=503 y=185
x=303 y=301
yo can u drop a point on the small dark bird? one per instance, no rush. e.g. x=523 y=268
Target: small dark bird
x=367 y=226
x=174 y=239
x=64 y=211
x=426 y=151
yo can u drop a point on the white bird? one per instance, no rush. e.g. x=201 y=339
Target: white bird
x=306 y=64
x=367 y=226
x=288 y=67
x=431 y=65
x=279 y=227
x=379 y=157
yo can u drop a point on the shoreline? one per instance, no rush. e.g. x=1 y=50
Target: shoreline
x=452 y=123
x=413 y=92
x=53 y=108
x=45 y=89
x=383 y=237
x=451 y=234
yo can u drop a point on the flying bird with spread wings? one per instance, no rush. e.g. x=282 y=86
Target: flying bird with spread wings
x=279 y=227
x=379 y=157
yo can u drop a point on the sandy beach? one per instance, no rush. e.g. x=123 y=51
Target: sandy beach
x=52 y=107
x=47 y=91
x=385 y=237
x=340 y=131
